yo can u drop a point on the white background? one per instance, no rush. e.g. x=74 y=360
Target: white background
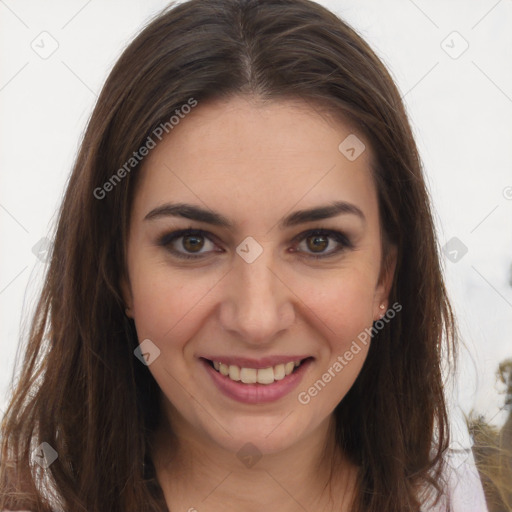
x=460 y=109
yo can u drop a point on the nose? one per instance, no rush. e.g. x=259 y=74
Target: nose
x=257 y=305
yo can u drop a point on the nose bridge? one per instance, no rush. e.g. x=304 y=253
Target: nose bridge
x=257 y=306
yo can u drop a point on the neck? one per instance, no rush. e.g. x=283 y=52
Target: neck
x=197 y=474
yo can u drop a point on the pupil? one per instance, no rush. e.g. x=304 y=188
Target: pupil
x=320 y=242
x=196 y=244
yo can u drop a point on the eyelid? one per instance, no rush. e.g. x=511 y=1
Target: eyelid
x=338 y=236
x=168 y=238
x=173 y=235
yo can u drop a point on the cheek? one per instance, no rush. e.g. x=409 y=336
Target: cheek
x=341 y=311
x=166 y=305
x=340 y=306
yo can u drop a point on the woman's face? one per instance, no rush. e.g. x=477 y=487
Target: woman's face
x=253 y=287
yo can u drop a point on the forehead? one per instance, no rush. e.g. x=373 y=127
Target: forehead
x=246 y=156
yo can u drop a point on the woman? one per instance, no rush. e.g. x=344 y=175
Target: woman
x=244 y=307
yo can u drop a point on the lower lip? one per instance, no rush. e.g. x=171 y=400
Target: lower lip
x=257 y=393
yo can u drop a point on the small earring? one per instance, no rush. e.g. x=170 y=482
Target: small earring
x=381 y=306
x=382 y=314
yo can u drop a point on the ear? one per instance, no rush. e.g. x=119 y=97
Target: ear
x=383 y=288
x=126 y=291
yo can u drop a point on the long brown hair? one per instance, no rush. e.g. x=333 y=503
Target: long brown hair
x=82 y=391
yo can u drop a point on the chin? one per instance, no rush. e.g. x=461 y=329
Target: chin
x=263 y=435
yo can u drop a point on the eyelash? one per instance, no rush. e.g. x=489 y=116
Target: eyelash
x=342 y=239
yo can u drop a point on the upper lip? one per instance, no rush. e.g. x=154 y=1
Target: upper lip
x=262 y=362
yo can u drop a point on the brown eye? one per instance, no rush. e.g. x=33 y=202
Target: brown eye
x=322 y=243
x=193 y=243
x=188 y=243
x=317 y=243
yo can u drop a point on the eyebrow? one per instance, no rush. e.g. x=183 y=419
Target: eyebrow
x=190 y=211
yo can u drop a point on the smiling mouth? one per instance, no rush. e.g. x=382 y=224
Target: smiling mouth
x=257 y=375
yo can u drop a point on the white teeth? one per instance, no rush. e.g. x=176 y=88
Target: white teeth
x=248 y=375
x=253 y=375
x=266 y=375
x=234 y=372
x=288 y=368
x=279 y=372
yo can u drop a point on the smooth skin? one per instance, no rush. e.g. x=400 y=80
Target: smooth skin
x=254 y=163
